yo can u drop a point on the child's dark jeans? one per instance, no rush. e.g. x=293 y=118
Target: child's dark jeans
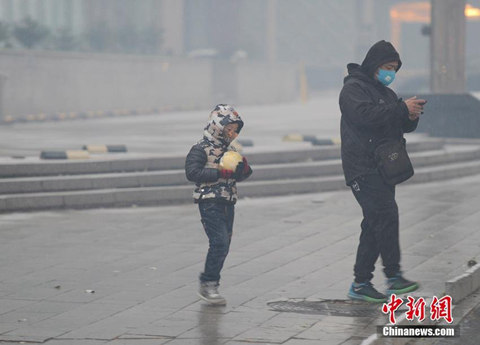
x=217 y=220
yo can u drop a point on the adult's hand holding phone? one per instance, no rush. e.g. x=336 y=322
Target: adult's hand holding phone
x=415 y=107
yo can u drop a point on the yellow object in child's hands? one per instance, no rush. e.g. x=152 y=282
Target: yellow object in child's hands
x=230 y=160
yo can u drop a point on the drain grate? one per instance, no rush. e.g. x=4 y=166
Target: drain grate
x=334 y=307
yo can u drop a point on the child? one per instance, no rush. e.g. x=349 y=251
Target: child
x=216 y=192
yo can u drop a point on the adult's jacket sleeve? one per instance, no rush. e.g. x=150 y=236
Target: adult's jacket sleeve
x=195 y=167
x=362 y=110
x=409 y=125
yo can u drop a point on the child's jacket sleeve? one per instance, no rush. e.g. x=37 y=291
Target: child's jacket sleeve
x=195 y=166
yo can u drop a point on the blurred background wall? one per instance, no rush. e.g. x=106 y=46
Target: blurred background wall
x=79 y=55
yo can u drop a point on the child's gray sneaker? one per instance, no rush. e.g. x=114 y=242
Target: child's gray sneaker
x=209 y=292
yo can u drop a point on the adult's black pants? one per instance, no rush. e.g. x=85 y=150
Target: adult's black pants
x=380 y=225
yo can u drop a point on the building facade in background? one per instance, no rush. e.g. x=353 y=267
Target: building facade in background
x=114 y=26
x=322 y=35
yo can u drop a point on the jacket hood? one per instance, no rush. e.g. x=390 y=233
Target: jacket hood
x=379 y=54
x=356 y=71
x=222 y=115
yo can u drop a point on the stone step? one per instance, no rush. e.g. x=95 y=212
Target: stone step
x=448 y=155
x=182 y=194
x=43 y=184
x=92 y=181
x=131 y=162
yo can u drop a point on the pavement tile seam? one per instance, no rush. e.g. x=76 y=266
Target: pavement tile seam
x=134 y=336
x=457 y=223
x=448 y=248
x=318 y=269
x=75 y=339
x=286 y=247
x=274 y=268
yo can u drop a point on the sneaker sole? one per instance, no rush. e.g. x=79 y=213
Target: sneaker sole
x=358 y=297
x=405 y=290
x=213 y=301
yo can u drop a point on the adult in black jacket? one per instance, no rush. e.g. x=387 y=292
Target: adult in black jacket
x=372 y=113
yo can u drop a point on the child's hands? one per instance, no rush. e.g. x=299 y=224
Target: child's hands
x=242 y=170
x=237 y=175
x=225 y=174
x=246 y=167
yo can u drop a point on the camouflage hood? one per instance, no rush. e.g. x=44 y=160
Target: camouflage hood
x=222 y=115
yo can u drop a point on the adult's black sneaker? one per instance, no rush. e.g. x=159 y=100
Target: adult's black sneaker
x=365 y=292
x=399 y=285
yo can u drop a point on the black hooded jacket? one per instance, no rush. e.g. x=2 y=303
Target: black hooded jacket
x=371 y=112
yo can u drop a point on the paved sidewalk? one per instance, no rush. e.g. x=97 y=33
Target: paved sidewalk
x=129 y=276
